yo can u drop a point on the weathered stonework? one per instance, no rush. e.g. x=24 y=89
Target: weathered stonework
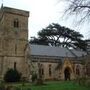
x=13 y=40
x=14 y=49
x=56 y=73
x=41 y=58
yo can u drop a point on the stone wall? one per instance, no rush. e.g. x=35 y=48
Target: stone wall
x=13 y=40
x=57 y=73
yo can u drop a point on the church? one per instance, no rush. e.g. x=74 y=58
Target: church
x=53 y=63
x=56 y=63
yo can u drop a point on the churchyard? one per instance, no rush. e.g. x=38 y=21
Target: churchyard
x=49 y=85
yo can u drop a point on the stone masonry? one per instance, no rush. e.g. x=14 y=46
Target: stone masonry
x=13 y=40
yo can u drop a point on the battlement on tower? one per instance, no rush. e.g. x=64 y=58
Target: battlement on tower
x=15 y=11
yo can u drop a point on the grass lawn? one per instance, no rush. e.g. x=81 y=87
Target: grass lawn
x=56 y=85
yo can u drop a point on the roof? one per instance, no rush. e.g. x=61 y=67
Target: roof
x=42 y=50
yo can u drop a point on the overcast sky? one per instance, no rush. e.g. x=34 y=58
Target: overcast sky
x=43 y=13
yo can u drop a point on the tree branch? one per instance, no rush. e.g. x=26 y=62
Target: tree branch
x=82 y=6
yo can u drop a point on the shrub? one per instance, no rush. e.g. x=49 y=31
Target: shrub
x=34 y=77
x=2 y=85
x=12 y=75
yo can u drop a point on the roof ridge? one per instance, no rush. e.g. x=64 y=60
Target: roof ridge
x=47 y=46
x=72 y=52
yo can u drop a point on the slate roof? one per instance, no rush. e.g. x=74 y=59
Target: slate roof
x=42 y=50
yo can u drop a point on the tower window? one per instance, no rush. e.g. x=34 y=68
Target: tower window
x=16 y=23
x=14 y=65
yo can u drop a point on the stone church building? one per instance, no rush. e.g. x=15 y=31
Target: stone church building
x=15 y=51
x=56 y=63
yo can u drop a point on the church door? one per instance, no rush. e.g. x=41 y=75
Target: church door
x=67 y=73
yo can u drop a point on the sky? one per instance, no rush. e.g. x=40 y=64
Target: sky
x=43 y=13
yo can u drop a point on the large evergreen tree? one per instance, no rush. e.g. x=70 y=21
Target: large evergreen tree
x=57 y=35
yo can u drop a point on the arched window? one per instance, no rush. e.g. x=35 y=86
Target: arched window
x=16 y=23
x=77 y=70
x=42 y=69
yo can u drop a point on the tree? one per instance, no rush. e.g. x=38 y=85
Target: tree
x=79 y=8
x=57 y=35
x=12 y=75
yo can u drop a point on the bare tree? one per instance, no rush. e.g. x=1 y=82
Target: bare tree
x=80 y=8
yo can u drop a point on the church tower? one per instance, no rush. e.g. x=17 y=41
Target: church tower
x=13 y=40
